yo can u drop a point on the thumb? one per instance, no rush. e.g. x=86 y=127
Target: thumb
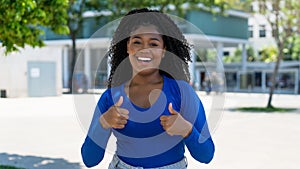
x=119 y=102
x=171 y=110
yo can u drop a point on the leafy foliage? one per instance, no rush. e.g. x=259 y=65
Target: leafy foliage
x=268 y=54
x=296 y=48
x=177 y=7
x=237 y=56
x=22 y=21
x=9 y=167
x=292 y=48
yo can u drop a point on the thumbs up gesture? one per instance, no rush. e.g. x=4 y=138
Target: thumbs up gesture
x=115 y=117
x=175 y=124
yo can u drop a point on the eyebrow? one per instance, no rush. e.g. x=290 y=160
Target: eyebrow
x=137 y=36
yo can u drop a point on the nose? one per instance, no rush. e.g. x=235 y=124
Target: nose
x=145 y=48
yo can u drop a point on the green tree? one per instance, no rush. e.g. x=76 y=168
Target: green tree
x=295 y=53
x=283 y=15
x=22 y=22
x=237 y=56
x=251 y=57
x=268 y=54
x=244 y=5
x=177 y=7
x=292 y=48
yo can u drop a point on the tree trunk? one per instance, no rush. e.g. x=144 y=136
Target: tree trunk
x=280 y=44
x=73 y=62
x=273 y=79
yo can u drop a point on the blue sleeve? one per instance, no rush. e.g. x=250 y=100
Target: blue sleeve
x=93 y=148
x=199 y=142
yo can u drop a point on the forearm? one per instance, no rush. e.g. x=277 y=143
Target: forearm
x=200 y=146
x=91 y=153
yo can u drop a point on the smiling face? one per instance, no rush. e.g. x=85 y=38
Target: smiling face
x=146 y=49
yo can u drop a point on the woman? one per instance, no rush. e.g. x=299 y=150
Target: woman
x=149 y=105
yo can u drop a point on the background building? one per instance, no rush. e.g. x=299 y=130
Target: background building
x=45 y=71
x=259 y=73
x=32 y=72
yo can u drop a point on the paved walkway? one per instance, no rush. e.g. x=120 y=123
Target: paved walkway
x=45 y=133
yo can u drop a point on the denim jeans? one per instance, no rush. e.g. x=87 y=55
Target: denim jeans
x=116 y=163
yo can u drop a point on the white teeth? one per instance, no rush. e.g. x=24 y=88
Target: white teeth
x=144 y=59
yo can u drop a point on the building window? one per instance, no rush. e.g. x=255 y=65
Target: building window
x=257 y=79
x=250 y=29
x=231 y=80
x=262 y=31
x=226 y=53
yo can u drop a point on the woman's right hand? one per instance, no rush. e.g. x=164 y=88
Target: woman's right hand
x=115 y=117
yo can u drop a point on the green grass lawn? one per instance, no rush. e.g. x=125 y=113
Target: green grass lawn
x=9 y=167
x=265 y=109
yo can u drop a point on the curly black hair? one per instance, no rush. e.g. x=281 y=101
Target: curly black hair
x=177 y=55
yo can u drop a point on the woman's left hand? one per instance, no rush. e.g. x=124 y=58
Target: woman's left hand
x=175 y=124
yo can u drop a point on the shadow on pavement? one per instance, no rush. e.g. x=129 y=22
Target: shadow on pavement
x=289 y=110
x=35 y=162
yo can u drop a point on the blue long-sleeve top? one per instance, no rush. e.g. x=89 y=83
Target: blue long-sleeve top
x=143 y=142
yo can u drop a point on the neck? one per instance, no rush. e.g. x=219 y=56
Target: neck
x=143 y=79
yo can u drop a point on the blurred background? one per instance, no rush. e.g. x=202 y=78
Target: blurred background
x=52 y=47
x=246 y=54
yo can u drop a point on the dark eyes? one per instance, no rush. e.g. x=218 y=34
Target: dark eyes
x=136 y=42
x=151 y=44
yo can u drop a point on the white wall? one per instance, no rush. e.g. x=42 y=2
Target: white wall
x=258 y=43
x=13 y=68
